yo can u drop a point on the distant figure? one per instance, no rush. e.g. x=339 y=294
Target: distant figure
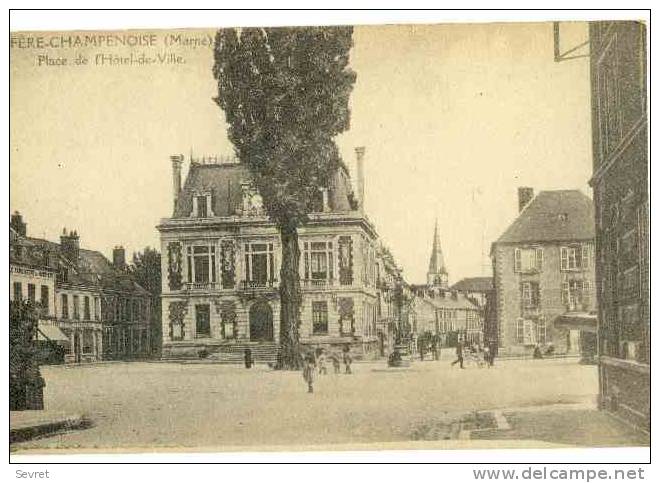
x=435 y=349
x=492 y=351
x=459 y=354
x=320 y=361
x=309 y=368
x=421 y=344
x=550 y=350
x=348 y=360
x=336 y=362
x=487 y=356
x=537 y=352
x=247 y=355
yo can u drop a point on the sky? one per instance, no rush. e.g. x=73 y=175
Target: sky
x=454 y=118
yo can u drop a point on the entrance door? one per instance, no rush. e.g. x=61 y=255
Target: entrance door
x=203 y=320
x=261 y=322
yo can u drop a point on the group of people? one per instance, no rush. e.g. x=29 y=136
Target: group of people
x=482 y=356
x=432 y=347
x=315 y=361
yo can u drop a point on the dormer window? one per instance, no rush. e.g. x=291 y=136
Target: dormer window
x=202 y=205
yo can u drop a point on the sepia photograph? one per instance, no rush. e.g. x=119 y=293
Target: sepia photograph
x=318 y=238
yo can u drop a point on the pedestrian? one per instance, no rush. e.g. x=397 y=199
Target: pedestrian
x=247 y=356
x=487 y=356
x=309 y=369
x=434 y=348
x=537 y=352
x=492 y=352
x=421 y=344
x=320 y=361
x=459 y=354
x=348 y=359
x=336 y=362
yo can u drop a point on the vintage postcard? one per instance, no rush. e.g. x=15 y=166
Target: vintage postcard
x=329 y=238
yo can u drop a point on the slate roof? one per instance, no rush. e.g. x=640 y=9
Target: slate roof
x=93 y=268
x=560 y=215
x=474 y=284
x=461 y=302
x=224 y=181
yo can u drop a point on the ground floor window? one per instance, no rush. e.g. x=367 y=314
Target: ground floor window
x=320 y=317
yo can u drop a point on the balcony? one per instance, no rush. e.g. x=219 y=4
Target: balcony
x=316 y=283
x=202 y=286
x=253 y=285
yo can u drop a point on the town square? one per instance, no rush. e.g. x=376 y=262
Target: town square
x=330 y=238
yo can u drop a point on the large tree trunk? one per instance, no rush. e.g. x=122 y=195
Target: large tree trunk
x=290 y=300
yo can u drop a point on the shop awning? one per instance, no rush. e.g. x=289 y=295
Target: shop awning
x=585 y=321
x=50 y=332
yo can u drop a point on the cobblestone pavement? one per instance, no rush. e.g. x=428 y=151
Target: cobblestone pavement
x=143 y=404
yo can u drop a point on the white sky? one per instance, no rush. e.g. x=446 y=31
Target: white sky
x=454 y=118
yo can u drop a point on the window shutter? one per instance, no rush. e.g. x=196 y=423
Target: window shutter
x=539 y=259
x=564 y=258
x=516 y=260
x=586 y=292
x=564 y=293
x=585 y=255
x=536 y=294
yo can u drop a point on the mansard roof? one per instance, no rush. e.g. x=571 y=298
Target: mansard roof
x=560 y=215
x=224 y=180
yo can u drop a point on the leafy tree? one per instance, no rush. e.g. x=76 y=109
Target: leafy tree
x=284 y=92
x=146 y=271
x=25 y=382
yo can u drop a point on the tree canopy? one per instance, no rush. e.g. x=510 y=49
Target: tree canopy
x=285 y=95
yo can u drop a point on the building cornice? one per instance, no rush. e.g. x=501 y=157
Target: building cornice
x=225 y=222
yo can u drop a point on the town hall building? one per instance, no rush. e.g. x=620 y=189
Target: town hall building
x=221 y=267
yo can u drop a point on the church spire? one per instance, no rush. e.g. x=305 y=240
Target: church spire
x=437 y=274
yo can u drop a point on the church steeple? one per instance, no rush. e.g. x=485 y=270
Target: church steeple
x=437 y=274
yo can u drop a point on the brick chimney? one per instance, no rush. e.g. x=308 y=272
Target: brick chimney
x=119 y=257
x=177 y=161
x=525 y=195
x=359 y=152
x=70 y=246
x=17 y=223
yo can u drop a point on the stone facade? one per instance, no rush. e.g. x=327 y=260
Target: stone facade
x=221 y=268
x=620 y=182
x=91 y=308
x=537 y=316
x=543 y=267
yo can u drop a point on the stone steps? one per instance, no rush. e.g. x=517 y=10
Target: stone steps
x=235 y=353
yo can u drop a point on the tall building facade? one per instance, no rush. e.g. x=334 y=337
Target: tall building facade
x=89 y=306
x=221 y=268
x=543 y=267
x=620 y=183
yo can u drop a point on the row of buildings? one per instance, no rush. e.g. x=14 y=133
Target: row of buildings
x=221 y=263
x=90 y=308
